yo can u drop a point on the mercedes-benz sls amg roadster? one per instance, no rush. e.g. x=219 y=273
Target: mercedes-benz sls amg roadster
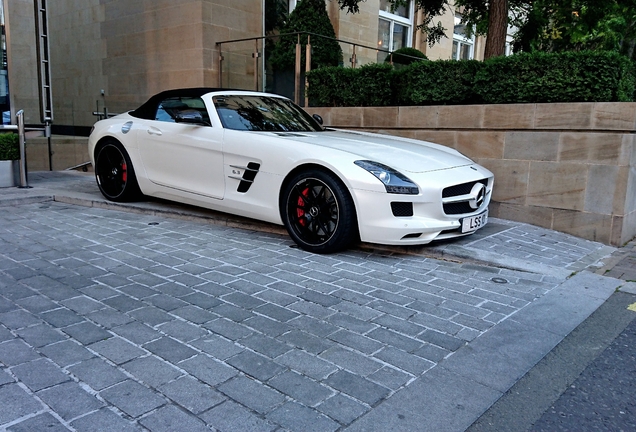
x=260 y=156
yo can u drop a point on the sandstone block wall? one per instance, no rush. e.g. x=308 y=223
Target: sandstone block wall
x=569 y=167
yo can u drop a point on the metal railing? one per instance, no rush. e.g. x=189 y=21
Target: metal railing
x=256 y=54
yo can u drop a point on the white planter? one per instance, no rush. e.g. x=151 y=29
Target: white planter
x=9 y=173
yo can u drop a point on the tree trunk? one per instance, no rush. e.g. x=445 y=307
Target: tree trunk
x=497 y=28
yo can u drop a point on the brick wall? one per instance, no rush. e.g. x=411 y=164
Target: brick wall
x=568 y=167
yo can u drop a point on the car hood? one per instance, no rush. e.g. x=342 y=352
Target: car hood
x=399 y=153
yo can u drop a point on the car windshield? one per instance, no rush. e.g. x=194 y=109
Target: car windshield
x=263 y=113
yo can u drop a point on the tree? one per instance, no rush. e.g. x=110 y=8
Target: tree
x=308 y=16
x=566 y=25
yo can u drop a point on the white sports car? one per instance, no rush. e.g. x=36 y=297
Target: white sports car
x=258 y=155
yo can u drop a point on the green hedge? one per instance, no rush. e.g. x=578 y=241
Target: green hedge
x=522 y=78
x=369 y=85
x=9 y=146
x=441 y=82
x=556 y=77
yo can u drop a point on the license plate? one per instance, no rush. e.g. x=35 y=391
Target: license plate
x=474 y=222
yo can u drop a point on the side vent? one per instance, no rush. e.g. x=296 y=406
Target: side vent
x=248 y=177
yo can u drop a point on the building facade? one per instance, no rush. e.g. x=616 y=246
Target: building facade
x=115 y=53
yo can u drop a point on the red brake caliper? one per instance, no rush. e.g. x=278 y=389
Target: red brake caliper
x=300 y=212
x=124 y=172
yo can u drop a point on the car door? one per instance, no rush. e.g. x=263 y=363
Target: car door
x=183 y=156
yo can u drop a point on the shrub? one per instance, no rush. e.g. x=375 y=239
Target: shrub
x=308 y=16
x=556 y=77
x=405 y=56
x=9 y=146
x=441 y=82
x=369 y=85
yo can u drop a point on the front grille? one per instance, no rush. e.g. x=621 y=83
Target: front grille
x=461 y=207
x=461 y=189
x=402 y=209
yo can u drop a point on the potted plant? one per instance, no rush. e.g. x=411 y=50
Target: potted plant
x=9 y=159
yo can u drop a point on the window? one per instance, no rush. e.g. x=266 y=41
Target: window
x=463 y=46
x=394 y=27
x=169 y=108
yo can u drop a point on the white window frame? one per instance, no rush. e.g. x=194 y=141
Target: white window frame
x=407 y=22
x=462 y=40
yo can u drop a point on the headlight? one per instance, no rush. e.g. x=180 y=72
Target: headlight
x=394 y=181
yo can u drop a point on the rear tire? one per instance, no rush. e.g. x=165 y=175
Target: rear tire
x=115 y=173
x=318 y=212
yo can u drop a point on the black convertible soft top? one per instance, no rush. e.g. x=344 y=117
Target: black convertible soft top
x=149 y=109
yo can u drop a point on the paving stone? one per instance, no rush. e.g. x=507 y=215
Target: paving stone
x=40 y=335
x=137 y=332
x=191 y=394
x=208 y=370
x=293 y=416
x=252 y=394
x=123 y=303
x=319 y=298
x=98 y=292
x=109 y=318
x=69 y=400
x=66 y=353
x=202 y=300
x=342 y=409
x=15 y=352
x=194 y=314
x=149 y=315
x=166 y=302
x=300 y=388
x=307 y=364
x=351 y=323
x=39 y=374
x=404 y=361
x=267 y=326
x=306 y=341
x=390 y=378
x=34 y=304
x=432 y=352
x=152 y=371
x=316 y=327
x=137 y=291
x=16 y=319
x=255 y=365
x=351 y=360
x=43 y=422
x=357 y=387
x=170 y=349
x=394 y=339
x=217 y=346
x=441 y=340
x=103 y=420
x=265 y=345
x=117 y=350
x=243 y=300
x=232 y=417
x=182 y=331
x=97 y=373
x=132 y=398
x=16 y=403
x=170 y=418
x=87 y=332
x=5 y=378
x=82 y=304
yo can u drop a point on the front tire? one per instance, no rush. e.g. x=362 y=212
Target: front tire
x=115 y=173
x=318 y=212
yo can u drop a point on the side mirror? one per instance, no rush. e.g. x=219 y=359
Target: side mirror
x=190 y=116
x=317 y=118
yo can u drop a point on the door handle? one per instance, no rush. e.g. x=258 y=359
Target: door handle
x=154 y=131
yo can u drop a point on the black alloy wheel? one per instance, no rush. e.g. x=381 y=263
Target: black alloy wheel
x=318 y=212
x=115 y=174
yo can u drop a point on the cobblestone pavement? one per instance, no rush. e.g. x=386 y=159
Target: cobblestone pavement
x=119 y=321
